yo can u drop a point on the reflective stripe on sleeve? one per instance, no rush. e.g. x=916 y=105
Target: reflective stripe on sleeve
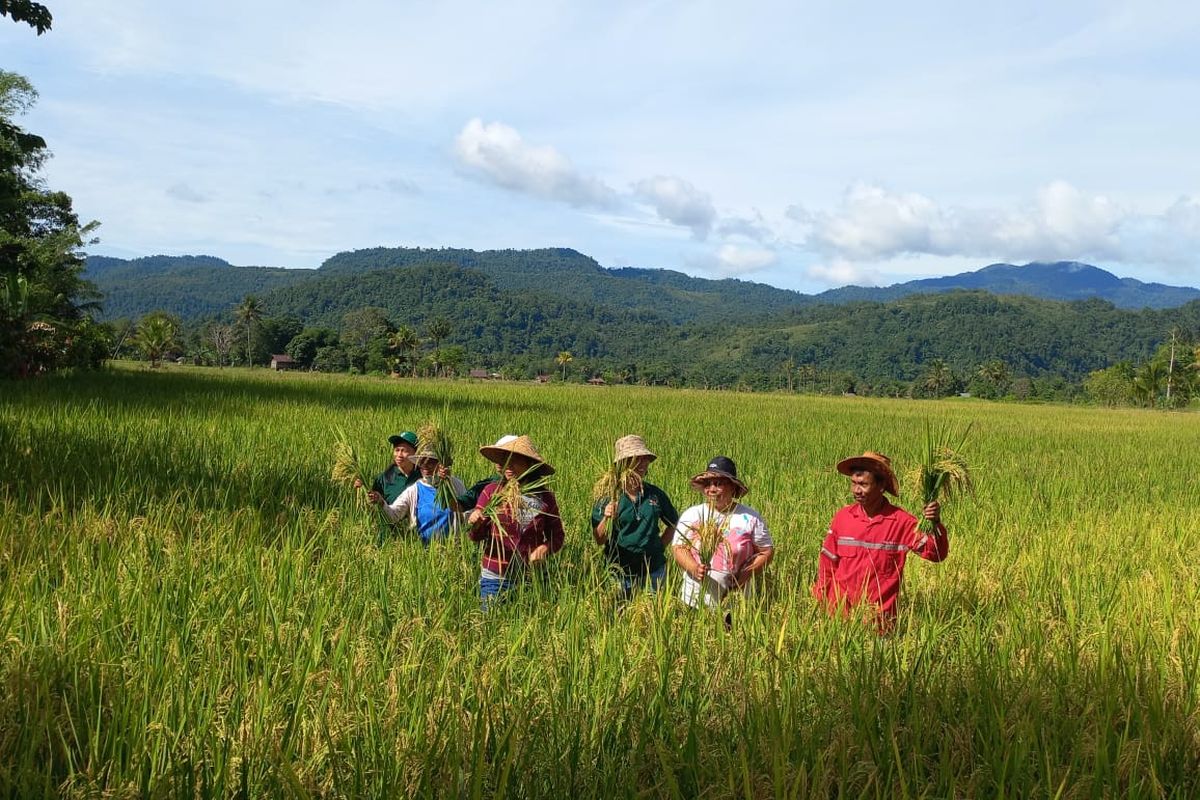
x=829 y=554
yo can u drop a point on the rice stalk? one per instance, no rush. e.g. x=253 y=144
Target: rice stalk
x=618 y=479
x=432 y=438
x=943 y=472
x=511 y=499
x=709 y=533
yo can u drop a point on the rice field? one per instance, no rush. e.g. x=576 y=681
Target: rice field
x=190 y=607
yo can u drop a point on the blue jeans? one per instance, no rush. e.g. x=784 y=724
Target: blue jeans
x=492 y=590
x=629 y=585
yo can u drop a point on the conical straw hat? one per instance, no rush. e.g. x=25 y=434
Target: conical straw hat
x=522 y=446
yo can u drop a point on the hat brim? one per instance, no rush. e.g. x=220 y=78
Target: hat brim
x=499 y=455
x=637 y=454
x=740 y=489
x=848 y=466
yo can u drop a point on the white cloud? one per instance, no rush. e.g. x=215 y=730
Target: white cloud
x=735 y=260
x=840 y=272
x=875 y=224
x=679 y=202
x=497 y=152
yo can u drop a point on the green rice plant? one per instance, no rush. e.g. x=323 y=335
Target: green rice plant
x=617 y=479
x=708 y=535
x=943 y=472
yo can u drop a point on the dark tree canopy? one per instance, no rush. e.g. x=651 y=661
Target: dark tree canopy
x=36 y=15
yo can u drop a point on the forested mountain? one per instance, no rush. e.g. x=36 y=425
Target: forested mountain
x=186 y=286
x=871 y=342
x=1059 y=280
x=672 y=295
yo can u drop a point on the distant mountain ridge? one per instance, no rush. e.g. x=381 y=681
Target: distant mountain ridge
x=198 y=286
x=1057 y=280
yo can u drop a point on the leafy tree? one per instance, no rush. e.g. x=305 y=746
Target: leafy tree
x=36 y=15
x=563 y=359
x=330 y=359
x=156 y=335
x=452 y=359
x=304 y=346
x=45 y=304
x=1148 y=382
x=249 y=312
x=1111 y=386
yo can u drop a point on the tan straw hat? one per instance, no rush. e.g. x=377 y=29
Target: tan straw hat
x=426 y=455
x=522 y=445
x=876 y=463
x=631 y=446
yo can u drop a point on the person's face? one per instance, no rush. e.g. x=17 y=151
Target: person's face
x=718 y=491
x=640 y=465
x=516 y=466
x=867 y=491
x=402 y=454
x=428 y=467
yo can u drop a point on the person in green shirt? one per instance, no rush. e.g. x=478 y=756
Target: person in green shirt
x=401 y=474
x=634 y=530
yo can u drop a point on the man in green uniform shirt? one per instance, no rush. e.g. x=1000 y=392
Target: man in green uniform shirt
x=399 y=476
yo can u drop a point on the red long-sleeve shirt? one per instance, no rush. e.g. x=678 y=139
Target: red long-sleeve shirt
x=517 y=538
x=862 y=558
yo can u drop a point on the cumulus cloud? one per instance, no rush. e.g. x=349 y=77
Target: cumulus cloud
x=874 y=224
x=840 y=272
x=679 y=202
x=497 y=153
x=736 y=260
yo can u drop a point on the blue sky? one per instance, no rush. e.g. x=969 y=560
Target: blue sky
x=804 y=145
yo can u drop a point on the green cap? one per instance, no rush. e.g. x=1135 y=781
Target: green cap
x=408 y=437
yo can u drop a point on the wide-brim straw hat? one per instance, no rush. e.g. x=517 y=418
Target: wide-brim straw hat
x=875 y=463
x=523 y=446
x=722 y=467
x=631 y=446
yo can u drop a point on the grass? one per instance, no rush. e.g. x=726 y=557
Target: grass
x=189 y=606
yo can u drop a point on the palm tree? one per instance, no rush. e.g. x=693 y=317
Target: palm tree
x=438 y=329
x=405 y=342
x=1148 y=382
x=562 y=359
x=938 y=378
x=995 y=373
x=155 y=336
x=249 y=312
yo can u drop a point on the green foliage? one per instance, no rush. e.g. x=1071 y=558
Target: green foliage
x=36 y=15
x=157 y=334
x=45 y=304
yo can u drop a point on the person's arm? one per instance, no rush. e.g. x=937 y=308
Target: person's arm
x=684 y=554
x=668 y=516
x=479 y=522
x=932 y=546
x=401 y=507
x=827 y=564
x=764 y=551
x=551 y=528
x=602 y=514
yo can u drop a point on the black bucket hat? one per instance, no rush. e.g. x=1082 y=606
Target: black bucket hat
x=721 y=467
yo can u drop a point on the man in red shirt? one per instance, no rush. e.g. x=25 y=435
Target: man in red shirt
x=862 y=557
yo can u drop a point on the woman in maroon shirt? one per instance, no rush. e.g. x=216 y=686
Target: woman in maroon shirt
x=516 y=518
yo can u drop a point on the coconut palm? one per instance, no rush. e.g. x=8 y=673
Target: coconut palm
x=995 y=373
x=562 y=359
x=249 y=312
x=938 y=378
x=1148 y=382
x=155 y=336
x=405 y=343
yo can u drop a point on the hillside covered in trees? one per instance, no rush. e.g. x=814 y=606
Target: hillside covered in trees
x=437 y=317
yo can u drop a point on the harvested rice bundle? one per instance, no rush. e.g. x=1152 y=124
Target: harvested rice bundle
x=943 y=472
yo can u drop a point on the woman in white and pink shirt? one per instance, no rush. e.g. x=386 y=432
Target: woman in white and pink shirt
x=744 y=546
